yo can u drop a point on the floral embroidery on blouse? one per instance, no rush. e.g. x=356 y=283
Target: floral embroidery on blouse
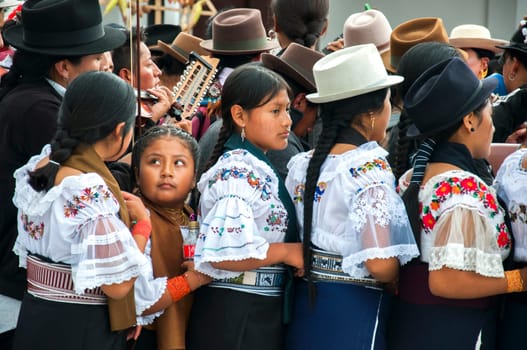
x=518 y=213
x=298 y=193
x=35 y=231
x=277 y=219
x=375 y=164
x=244 y=173
x=319 y=191
x=88 y=195
x=446 y=189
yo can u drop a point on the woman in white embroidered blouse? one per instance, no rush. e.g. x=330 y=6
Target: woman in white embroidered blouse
x=511 y=186
x=73 y=237
x=248 y=223
x=355 y=229
x=455 y=216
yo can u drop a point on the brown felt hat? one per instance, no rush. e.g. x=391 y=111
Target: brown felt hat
x=296 y=62
x=182 y=46
x=411 y=33
x=238 y=31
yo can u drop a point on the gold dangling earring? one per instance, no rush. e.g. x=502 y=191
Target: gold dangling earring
x=372 y=122
x=243 y=134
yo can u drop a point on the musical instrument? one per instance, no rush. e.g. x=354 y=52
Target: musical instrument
x=193 y=84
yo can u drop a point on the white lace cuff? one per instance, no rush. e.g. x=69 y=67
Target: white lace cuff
x=456 y=256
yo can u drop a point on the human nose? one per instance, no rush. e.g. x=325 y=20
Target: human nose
x=167 y=170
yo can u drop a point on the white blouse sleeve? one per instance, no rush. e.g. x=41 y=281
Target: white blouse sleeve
x=105 y=250
x=378 y=228
x=463 y=225
x=235 y=193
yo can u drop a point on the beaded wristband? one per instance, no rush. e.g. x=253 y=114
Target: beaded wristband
x=178 y=287
x=514 y=281
x=143 y=228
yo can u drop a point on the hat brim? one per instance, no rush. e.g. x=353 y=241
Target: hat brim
x=389 y=81
x=112 y=39
x=269 y=45
x=277 y=64
x=170 y=51
x=487 y=87
x=514 y=46
x=492 y=45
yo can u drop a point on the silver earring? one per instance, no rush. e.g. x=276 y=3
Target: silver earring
x=243 y=134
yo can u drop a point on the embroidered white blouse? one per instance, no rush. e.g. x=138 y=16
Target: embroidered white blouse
x=77 y=223
x=356 y=213
x=240 y=212
x=511 y=185
x=463 y=225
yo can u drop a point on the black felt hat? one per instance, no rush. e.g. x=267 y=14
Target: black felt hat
x=518 y=41
x=443 y=95
x=160 y=32
x=63 y=27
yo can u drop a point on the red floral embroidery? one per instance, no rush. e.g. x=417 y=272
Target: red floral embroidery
x=469 y=184
x=88 y=195
x=429 y=221
x=490 y=202
x=504 y=239
x=444 y=189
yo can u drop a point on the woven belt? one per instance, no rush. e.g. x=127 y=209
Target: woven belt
x=52 y=281
x=268 y=280
x=327 y=267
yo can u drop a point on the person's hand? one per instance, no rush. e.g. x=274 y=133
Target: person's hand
x=519 y=135
x=295 y=258
x=335 y=45
x=165 y=98
x=135 y=207
x=134 y=332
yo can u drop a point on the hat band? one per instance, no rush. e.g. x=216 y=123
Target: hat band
x=180 y=51
x=61 y=39
x=245 y=45
x=394 y=60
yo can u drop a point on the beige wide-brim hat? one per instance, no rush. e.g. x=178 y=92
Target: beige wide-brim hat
x=182 y=46
x=474 y=36
x=349 y=72
x=296 y=63
x=370 y=26
x=238 y=31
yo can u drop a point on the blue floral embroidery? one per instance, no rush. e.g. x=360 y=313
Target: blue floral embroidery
x=88 y=195
x=319 y=191
x=276 y=220
x=244 y=173
x=35 y=231
x=298 y=193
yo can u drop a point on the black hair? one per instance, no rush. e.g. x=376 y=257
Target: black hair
x=163 y=131
x=519 y=55
x=169 y=65
x=335 y=116
x=483 y=53
x=302 y=21
x=121 y=55
x=88 y=114
x=29 y=67
x=413 y=63
x=233 y=61
x=249 y=86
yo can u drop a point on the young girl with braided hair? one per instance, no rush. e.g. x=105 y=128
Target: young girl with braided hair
x=248 y=223
x=164 y=164
x=355 y=229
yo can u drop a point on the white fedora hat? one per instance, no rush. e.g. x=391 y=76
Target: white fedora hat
x=474 y=36
x=349 y=72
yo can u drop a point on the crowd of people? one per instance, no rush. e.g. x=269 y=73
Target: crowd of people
x=363 y=195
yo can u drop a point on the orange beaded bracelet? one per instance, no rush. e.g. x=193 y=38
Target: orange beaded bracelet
x=178 y=287
x=143 y=228
x=514 y=281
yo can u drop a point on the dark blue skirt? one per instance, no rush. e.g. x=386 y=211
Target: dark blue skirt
x=344 y=316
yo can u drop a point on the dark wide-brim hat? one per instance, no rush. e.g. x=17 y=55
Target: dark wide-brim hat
x=63 y=27
x=443 y=95
x=296 y=63
x=518 y=41
x=238 y=31
x=160 y=32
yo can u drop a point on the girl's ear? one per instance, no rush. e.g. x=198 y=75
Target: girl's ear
x=119 y=131
x=239 y=116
